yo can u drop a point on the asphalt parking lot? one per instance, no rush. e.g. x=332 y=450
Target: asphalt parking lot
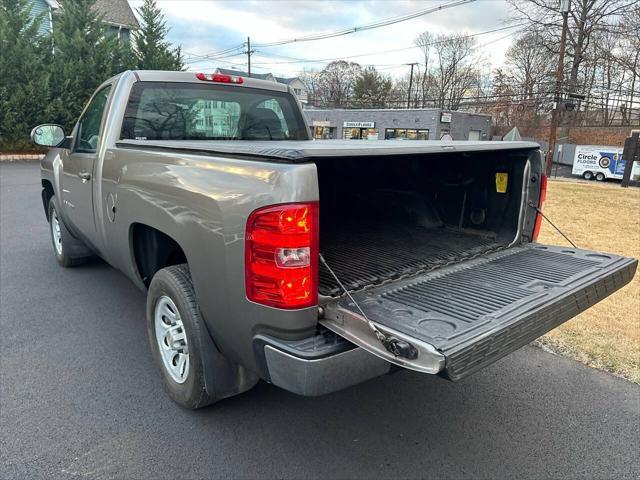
x=80 y=396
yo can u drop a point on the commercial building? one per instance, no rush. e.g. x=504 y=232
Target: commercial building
x=409 y=124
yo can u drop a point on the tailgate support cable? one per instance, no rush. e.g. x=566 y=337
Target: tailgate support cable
x=399 y=348
x=537 y=209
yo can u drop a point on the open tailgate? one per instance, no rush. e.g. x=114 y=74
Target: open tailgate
x=464 y=317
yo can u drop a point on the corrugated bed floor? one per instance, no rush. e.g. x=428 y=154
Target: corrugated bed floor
x=364 y=255
x=469 y=294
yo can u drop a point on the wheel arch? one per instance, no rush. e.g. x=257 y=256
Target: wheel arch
x=152 y=249
x=47 y=193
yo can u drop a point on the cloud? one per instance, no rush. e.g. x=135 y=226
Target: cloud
x=203 y=27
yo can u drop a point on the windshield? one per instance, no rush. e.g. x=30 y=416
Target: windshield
x=190 y=111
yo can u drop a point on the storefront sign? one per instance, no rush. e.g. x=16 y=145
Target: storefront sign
x=445 y=117
x=359 y=124
x=321 y=123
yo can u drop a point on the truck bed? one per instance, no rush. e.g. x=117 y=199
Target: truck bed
x=297 y=151
x=363 y=257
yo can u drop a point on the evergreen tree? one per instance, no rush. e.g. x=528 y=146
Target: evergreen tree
x=24 y=82
x=85 y=55
x=371 y=89
x=152 y=50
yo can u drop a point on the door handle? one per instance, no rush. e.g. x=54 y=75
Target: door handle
x=84 y=176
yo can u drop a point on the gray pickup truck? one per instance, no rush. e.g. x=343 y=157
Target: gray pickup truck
x=313 y=265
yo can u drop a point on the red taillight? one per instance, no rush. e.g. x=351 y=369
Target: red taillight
x=281 y=255
x=218 y=77
x=543 y=197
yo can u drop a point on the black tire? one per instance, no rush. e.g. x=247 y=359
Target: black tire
x=587 y=175
x=175 y=282
x=70 y=251
x=600 y=177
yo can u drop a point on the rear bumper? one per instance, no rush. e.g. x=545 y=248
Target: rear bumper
x=312 y=367
x=540 y=287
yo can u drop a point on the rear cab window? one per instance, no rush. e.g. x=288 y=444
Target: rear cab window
x=191 y=111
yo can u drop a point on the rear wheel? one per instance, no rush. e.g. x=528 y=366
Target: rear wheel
x=175 y=328
x=69 y=251
x=600 y=176
x=587 y=175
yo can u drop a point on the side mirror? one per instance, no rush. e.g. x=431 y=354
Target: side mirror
x=48 y=135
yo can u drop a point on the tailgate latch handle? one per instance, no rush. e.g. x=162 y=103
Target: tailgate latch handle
x=400 y=348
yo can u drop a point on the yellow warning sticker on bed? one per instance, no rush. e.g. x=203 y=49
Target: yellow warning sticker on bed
x=502 y=180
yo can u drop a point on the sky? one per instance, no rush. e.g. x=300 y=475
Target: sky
x=205 y=27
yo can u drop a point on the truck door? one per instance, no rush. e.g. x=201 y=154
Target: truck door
x=77 y=180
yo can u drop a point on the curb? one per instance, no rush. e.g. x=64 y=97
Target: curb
x=20 y=157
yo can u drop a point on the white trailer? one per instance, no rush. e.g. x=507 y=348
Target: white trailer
x=601 y=162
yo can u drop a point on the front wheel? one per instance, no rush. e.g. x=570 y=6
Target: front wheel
x=587 y=175
x=69 y=251
x=175 y=328
x=600 y=177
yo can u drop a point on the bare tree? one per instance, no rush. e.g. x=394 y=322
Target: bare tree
x=629 y=59
x=311 y=80
x=333 y=85
x=448 y=73
x=528 y=68
x=588 y=21
x=424 y=88
x=608 y=79
x=456 y=71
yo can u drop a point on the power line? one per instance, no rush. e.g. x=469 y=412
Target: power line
x=212 y=55
x=361 y=28
x=294 y=60
x=229 y=52
x=204 y=59
x=437 y=42
x=384 y=66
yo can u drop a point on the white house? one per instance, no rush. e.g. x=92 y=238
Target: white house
x=294 y=82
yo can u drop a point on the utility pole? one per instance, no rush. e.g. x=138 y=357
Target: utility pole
x=249 y=52
x=565 y=6
x=410 y=85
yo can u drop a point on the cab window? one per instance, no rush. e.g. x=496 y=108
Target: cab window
x=191 y=111
x=90 y=122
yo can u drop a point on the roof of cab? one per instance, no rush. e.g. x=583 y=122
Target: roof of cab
x=190 y=77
